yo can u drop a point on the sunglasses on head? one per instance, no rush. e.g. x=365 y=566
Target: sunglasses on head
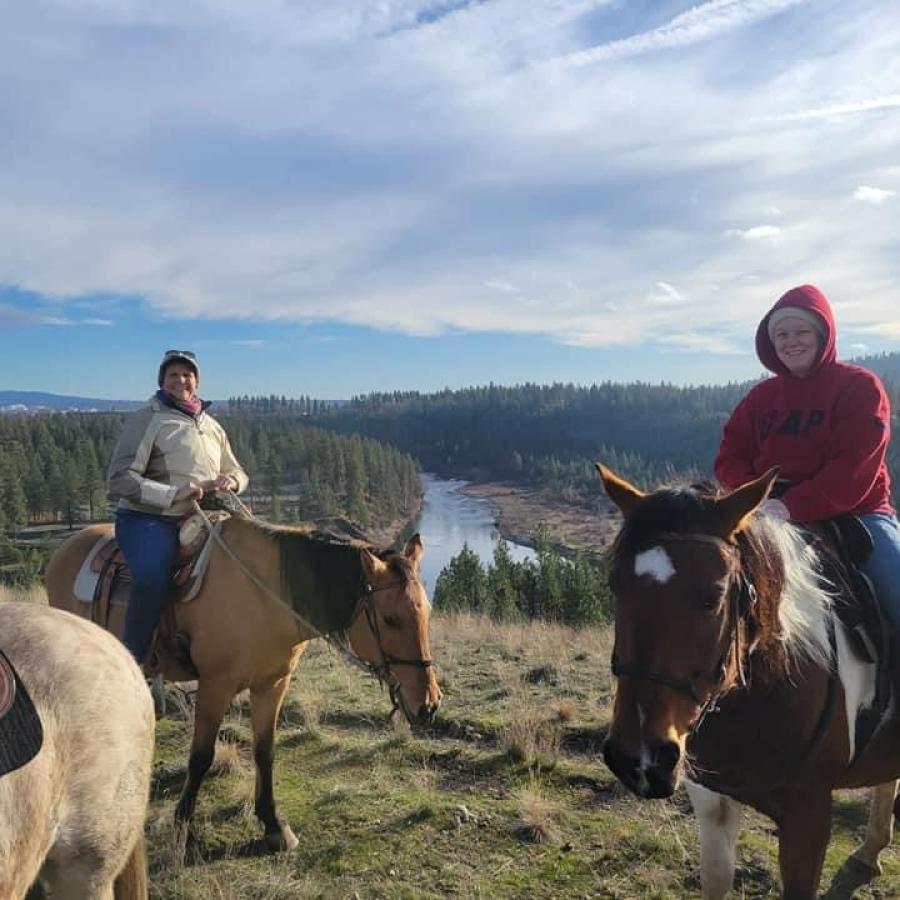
x=188 y=354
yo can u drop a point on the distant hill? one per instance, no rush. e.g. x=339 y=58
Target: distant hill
x=35 y=401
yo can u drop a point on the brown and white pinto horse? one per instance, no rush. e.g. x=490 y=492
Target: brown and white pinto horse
x=269 y=590
x=733 y=671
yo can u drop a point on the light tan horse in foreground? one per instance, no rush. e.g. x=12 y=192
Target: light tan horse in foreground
x=269 y=590
x=73 y=816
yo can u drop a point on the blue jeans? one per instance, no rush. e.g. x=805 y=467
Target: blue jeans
x=150 y=544
x=883 y=566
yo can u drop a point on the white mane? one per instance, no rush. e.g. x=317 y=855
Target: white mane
x=807 y=595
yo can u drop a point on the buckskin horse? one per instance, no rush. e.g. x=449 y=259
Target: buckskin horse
x=75 y=759
x=268 y=591
x=734 y=672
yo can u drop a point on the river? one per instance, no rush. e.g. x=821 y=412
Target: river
x=450 y=519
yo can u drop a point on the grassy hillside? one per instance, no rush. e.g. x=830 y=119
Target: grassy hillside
x=505 y=797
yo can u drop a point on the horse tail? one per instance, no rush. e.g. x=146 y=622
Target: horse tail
x=131 y=883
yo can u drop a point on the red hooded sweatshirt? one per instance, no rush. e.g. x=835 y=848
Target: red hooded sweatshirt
x=828 y=432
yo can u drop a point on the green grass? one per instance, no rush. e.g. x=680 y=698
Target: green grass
x=505 y=797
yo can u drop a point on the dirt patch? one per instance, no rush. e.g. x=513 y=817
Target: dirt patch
x=521 y=510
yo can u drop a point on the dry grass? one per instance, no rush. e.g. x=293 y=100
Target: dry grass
x=377 y=808
x=33 y=594
x=532 y=734
x=538 y=816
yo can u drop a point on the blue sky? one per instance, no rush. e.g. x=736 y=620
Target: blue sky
x=331 y=198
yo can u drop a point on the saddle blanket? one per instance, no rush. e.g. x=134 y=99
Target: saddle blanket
x=21 y=732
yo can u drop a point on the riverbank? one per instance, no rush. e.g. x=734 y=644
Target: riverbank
x=521 y=510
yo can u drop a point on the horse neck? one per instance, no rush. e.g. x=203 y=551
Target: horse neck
x=790 y=618
x=320 y=581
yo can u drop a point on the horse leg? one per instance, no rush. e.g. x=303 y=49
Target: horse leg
x=213 y=699
x=718 y=818
x=157 y=687
x=81 y=878
x=804 y=828
x=880 y=827
x=264 y=707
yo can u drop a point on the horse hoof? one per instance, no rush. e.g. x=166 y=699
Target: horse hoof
x=281 y=841
x=187 y=848
x=863 y=866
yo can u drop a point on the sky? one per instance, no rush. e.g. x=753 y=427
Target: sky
x=332 y=198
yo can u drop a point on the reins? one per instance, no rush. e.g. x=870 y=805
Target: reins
x=382 y=671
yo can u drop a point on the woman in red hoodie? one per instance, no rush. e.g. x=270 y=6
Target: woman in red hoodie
x=826 y=424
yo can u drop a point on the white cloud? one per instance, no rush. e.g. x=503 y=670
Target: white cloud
x=57 y=321
x=249 y=342
x=664 y=294
x=700 y=23
x=402 y=167
x=503 y=287
x=850 y=108
x=873 y=195
x=756 y=233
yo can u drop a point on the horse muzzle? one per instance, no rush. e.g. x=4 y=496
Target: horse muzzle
x=427 y=712
x=653 y=775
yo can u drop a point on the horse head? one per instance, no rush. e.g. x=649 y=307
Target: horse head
x=390 y=630
x=683 y=626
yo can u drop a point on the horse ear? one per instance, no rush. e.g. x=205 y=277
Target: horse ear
x=734 y=509
x=414 y=551
x=372 y=565
x=624 y=494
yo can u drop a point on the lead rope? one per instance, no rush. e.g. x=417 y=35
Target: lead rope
x=348 y=655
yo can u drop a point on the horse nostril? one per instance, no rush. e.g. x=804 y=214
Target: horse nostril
x=668 y=755
x=427 y=713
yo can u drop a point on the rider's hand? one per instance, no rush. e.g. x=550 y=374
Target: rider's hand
x=189 y=491
x=776 y=509
x=225 y=483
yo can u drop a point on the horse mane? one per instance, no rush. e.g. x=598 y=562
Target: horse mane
x=777 y=559
x=321 y=569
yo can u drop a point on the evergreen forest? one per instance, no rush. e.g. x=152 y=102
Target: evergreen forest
x=53 y=470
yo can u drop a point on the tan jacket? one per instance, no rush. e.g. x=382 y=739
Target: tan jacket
x=161 y=449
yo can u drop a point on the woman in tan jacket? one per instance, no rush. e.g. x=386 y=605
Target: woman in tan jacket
x=170 y=453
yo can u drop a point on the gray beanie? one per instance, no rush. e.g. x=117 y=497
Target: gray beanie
x=172 y=356
x=795 y=312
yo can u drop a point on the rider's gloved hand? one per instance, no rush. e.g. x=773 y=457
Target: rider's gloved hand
x=225 y=483
x=776 y=509
x=189 y=491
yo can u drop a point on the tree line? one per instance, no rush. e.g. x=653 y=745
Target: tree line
x=555 y=588
x=550 y=435
x=53 y=470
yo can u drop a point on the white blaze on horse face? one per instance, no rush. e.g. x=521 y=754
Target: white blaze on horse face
x=656 y=563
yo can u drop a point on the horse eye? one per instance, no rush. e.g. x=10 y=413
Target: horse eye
x=392 y=621
x=710 y=603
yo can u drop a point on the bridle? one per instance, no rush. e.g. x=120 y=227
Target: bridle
x=383 y=669
x=741 y=601
x=340 y=640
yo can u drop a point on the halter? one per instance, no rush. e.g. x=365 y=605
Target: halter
x=382 y=671
x=741 y=600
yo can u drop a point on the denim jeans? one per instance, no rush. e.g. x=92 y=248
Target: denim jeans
x=883 y=566
x=150 y=544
